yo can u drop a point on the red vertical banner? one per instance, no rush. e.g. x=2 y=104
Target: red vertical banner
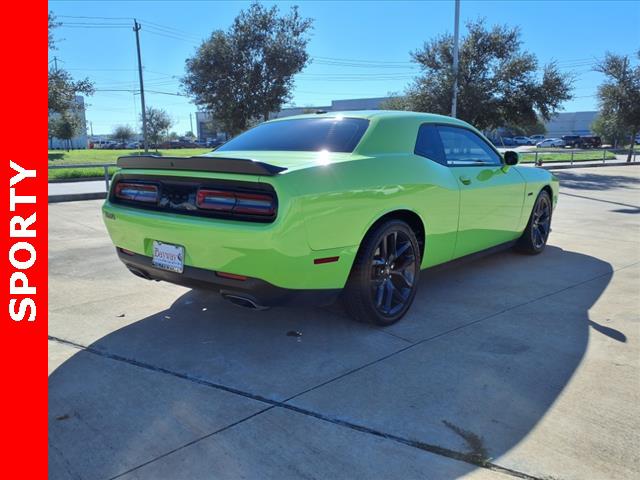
x=23 y=160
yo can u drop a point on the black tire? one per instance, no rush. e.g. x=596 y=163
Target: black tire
x=535 y=235
x=379 y=289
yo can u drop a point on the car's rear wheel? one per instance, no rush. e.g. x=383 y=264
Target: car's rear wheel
x=535 y=235
x=384 y=276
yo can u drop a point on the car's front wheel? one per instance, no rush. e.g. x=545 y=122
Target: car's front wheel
x=384 y=276
x=535 y=235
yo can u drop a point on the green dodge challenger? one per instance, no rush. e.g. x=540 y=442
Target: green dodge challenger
x=304 y=209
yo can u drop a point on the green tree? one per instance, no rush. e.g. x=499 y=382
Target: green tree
x=63 y=90
x=123 y=133
x=66 y=126
x=247 y=72
x=62 y=87
x=611 y=130
x=498 y=82
x=619 y=95
x=51 y=130
x=189 y=134
x=53 y=24
x=158 y=124
x=396 y=101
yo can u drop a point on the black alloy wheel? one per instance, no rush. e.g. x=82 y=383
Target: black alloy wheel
x=535 y=235
x=393 y=272
x=384 y=277
x=541 y=222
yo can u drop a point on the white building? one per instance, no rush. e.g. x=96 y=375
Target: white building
x=570 y=123
x=80 y=141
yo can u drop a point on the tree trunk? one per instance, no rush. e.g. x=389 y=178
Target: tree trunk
x=633 y=142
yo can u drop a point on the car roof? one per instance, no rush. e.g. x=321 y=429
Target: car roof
x=389 y=130
x=375 y=114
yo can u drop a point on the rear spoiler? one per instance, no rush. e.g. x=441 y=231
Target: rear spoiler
x=200 y=164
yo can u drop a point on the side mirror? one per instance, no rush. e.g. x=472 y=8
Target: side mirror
x=511 y=158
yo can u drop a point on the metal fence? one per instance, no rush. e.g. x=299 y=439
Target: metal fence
x=598 y=155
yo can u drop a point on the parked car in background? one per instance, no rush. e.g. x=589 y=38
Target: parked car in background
x=522 y=140
x=550 y=142
x=591 y=141
x=638 y=140
x=317 y=207
x=178 y=144
x=134 y=145
x=536 y=138
x=504 y=142
x=573 y=141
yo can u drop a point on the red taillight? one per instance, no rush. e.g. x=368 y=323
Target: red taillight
x=138 y=192
x=232 y=276
x=236 y=202
x=254 y=204
x=215 y=200
x=320 y=261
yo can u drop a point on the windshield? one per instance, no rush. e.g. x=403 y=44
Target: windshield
x=335 y=134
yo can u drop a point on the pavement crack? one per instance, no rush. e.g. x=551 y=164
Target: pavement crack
x=192 y=442
x=435 y=449
x=477 y=450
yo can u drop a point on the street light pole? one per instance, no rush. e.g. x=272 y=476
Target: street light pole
x=456 y=32
x=136 y=28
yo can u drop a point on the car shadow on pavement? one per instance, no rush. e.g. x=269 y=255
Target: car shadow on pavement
x=203 y=364
x=595 y=181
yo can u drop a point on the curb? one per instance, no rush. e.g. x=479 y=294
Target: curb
x=593 y=165
x=74 y=197
x=79 y=179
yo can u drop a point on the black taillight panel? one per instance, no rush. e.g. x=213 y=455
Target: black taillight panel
x=228 y=199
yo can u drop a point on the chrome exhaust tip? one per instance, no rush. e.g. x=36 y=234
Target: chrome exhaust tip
x=245 y=302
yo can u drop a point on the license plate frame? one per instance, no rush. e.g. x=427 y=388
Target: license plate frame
x=168 y=256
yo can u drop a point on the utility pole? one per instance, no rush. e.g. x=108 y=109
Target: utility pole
x=91 y=128
x=55 y=64
x=136 y=28
x=456 y=32
x=191 y=121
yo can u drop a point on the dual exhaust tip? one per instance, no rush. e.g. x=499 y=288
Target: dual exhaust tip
x=236 y=299
x=242 y=301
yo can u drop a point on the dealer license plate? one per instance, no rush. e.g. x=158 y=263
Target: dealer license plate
x=168 y=256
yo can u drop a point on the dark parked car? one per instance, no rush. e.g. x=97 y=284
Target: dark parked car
x=573 y=141
x=591 y=141
x=178 y=144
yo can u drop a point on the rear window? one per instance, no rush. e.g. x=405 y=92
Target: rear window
x=335 y=134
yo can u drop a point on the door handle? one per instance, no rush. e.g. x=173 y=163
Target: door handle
x=465 y=180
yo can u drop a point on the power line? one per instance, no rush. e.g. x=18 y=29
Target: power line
x=162 y=34
x=93 y=17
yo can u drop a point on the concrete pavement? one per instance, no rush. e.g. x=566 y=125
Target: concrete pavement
x=506 y=366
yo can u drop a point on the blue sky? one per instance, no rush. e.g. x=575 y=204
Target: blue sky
x=373 y=38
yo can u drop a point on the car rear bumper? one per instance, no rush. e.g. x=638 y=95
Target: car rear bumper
x=252 y=292
x=277 y=253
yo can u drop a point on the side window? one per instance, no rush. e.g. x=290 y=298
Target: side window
x=428 y=143
x=463 y=147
